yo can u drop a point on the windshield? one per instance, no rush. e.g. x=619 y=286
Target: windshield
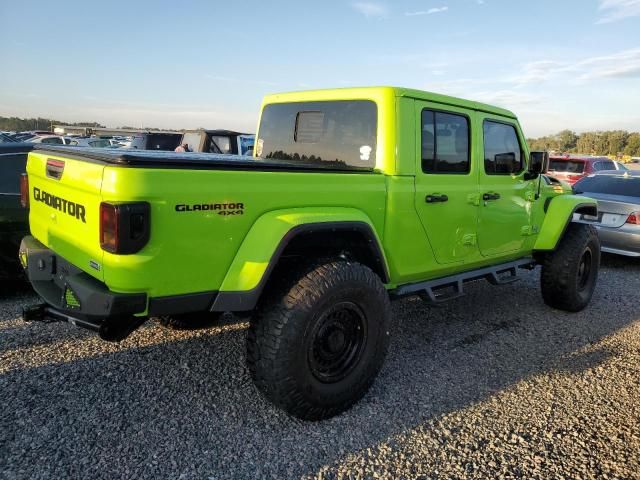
x=609 y=184
x=338 y=134
x=569 y=166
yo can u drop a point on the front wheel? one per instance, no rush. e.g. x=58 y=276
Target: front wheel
x=569 y=274
x=316 y=348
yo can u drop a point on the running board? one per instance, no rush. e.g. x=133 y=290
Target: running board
x=447 y=288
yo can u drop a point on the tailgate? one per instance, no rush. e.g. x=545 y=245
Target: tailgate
x=64 y=207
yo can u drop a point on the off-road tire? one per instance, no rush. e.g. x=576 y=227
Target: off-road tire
x=189 y=321
x=338 y=310
x=569 y=274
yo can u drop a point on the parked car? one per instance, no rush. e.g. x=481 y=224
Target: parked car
x=354 y=197
x=93 y=142
x=573 y=168
x=22 y=136
x=219 y=141
x=4 y=138
x=154 y=141
x=50 y=139
x=618 y=219
x=14 y=221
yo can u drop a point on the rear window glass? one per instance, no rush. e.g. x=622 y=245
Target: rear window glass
x=163 y=141
x=337 y=134
x=610 y=184
x=568 y=166
x=220 y=144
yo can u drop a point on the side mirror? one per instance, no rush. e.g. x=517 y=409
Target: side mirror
x=538 y=164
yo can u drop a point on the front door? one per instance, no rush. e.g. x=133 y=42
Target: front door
x=446 y=181
x=504 y=219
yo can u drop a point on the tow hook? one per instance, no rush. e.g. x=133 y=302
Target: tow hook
x=37 y=313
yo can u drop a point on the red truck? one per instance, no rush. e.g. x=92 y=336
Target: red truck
x=573 y=168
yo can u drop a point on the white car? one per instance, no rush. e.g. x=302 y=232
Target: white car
x=94 y=142
x=50 y=139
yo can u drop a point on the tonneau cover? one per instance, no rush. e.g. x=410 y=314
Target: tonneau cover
x=160 y=159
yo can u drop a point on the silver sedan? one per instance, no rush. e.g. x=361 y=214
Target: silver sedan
x=618 y=220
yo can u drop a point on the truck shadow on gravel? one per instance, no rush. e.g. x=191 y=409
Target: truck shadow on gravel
x=188 y=407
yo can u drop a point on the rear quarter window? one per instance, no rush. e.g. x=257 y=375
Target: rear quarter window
x=336 y=134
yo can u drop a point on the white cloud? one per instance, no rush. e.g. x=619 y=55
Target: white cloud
x=615 y=10
x=624 y=64
x=369 y=9
x=510 y=99
x=431 y=11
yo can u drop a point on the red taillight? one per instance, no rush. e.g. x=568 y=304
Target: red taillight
x=24 y=190
x=634 y=218
x=124 y=227
x=109 y=227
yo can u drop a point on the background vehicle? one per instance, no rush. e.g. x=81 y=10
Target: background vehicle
x=22 y=136
x=51 y=139
x=4 y=138
x=219 y=141
x=13 y=217
x=573 y=168
x=154 y=141
x=94 y=142
x=355 y=196
x=618 y=219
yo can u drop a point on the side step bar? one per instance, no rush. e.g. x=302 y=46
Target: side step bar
x=447 y=288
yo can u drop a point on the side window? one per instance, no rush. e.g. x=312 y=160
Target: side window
x=55 y=140
x=222 y=143
x=445 y=143
x=502 y=152
x=605 y=165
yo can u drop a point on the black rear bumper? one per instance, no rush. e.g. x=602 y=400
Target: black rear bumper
x=74 y=295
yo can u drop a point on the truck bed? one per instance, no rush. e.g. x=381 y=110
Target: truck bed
x=191 y=160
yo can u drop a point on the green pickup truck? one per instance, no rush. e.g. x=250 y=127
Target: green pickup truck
x=353 y=197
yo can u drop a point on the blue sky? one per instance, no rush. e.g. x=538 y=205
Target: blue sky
x=557 y=64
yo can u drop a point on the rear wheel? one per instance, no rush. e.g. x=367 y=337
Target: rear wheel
x=569 y=274
x=317 y=346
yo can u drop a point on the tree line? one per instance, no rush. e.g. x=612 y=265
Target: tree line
x=612 y=142
x=16 y=124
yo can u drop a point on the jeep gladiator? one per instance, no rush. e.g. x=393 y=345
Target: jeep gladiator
x=353 y=197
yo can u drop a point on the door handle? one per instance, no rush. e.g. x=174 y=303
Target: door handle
x=490 y=196
x=435 y=198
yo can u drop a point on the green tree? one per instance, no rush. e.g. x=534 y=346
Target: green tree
x=633 y=145
x=566 y=140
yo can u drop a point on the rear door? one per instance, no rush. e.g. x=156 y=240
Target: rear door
x=446 y=181
x=64 y=207
x=504 y=220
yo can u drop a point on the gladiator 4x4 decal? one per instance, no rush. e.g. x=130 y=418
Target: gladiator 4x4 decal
x=220 y=208
x=67 y=206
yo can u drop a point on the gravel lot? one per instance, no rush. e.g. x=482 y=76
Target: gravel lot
x=493 y=384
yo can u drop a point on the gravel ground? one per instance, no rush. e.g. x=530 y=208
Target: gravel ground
x=493 y=384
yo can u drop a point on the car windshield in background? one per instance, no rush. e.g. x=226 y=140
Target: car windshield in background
x=611 y=185
x=339 y=134
x=6 y=139
x=568 y=166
